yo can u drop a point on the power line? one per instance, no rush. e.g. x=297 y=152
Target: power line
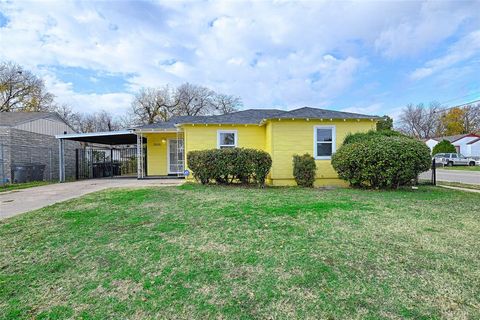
x=458 y=98
x=460 y=105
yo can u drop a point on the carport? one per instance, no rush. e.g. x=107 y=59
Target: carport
x=107 y=142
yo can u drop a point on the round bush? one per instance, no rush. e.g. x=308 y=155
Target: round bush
x=364 y=136
x=444 y=146
x=382 y=162
x=304 y=170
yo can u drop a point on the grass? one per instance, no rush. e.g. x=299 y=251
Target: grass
x=462 y=168
x=226 y=252
x=25 y=185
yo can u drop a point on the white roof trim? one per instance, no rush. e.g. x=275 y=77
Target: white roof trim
x=93 y=134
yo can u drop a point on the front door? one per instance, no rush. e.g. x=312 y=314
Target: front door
x=175 y=156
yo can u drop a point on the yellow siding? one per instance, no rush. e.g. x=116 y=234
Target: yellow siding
x=268 y=146
x=157 y=152
x=201 y=137
x=282 y=139
x=291 y=137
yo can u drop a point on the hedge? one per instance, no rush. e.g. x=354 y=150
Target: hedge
x=304 y=170
x=382 y=162
x=444 y=146
x=364 y=136
x=230 y=165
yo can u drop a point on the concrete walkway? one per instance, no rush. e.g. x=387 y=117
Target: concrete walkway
x=24 y=200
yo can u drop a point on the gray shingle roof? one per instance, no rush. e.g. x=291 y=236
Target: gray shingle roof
x=10 y=119
x=256 y=116
x=454 y=137
x=315 y=113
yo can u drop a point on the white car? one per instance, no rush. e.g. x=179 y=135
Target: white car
x=477 y=160
x=455 y=159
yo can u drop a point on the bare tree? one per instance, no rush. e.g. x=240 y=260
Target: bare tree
x=160 y=104
x=95 y=122
x=68 y=115
x=194 y=100
x=105 y=121
x=153 y=104
x=21 y=90
x=471 y=118
x=420 y=121
x=226 y=103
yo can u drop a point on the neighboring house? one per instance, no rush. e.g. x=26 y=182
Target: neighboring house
x=27 y=140
x=466 y=144
x=280 y=133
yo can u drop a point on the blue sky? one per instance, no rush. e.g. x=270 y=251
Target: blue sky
x=370 y=57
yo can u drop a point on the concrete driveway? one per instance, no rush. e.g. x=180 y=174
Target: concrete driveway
x=24 y=200
x=462 y=176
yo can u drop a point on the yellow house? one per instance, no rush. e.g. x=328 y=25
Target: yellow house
x=282 y=134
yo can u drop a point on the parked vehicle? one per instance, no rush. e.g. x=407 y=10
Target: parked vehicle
x=477 y=160
x=455 y=159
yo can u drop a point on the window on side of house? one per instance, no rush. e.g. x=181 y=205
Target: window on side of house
x=227 y=139
x=324 y=142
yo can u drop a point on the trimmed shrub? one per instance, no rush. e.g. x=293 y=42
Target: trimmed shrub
x=364 y=136
x=304 y=170
x=230 y=165
x=382 y=162
x=444 y=146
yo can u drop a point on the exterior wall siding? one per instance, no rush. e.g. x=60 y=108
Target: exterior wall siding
x=157 y=144
x=49 y=127
x=290 y=137
x=282 y=139
x=202 y=137
x=23 y=147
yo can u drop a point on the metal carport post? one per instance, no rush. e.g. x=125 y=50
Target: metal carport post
x=61 y=160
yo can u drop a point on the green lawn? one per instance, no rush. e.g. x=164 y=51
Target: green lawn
x=463 y=168
x=226 y=252
x=18 y=186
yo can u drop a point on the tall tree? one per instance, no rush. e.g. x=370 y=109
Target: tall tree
x=153 y=104
x=385 y=124
x=194 y=100
x=225 y=103
x=453 y=121
x=68 y=115
x=471 y=118
x=160 y=104
x=21 y=90
x=420 y=121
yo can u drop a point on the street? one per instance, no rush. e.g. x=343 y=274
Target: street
x=469 y=177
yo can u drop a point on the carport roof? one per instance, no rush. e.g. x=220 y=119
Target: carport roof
x=109 y=138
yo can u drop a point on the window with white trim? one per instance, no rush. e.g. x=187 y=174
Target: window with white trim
x=226 y=139
x=324 y=141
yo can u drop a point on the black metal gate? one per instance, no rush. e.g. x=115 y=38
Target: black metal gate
x=99 y=163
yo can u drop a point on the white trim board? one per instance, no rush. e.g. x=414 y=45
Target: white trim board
x=334 y=141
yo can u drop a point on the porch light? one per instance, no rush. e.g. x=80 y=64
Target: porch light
x=163 y=140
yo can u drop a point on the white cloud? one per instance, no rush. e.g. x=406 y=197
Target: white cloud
x=465 y=48
x=282 y=54
x=117 y=103
x=432 y=23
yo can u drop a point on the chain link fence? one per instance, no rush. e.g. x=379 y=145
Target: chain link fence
x=25 y=163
